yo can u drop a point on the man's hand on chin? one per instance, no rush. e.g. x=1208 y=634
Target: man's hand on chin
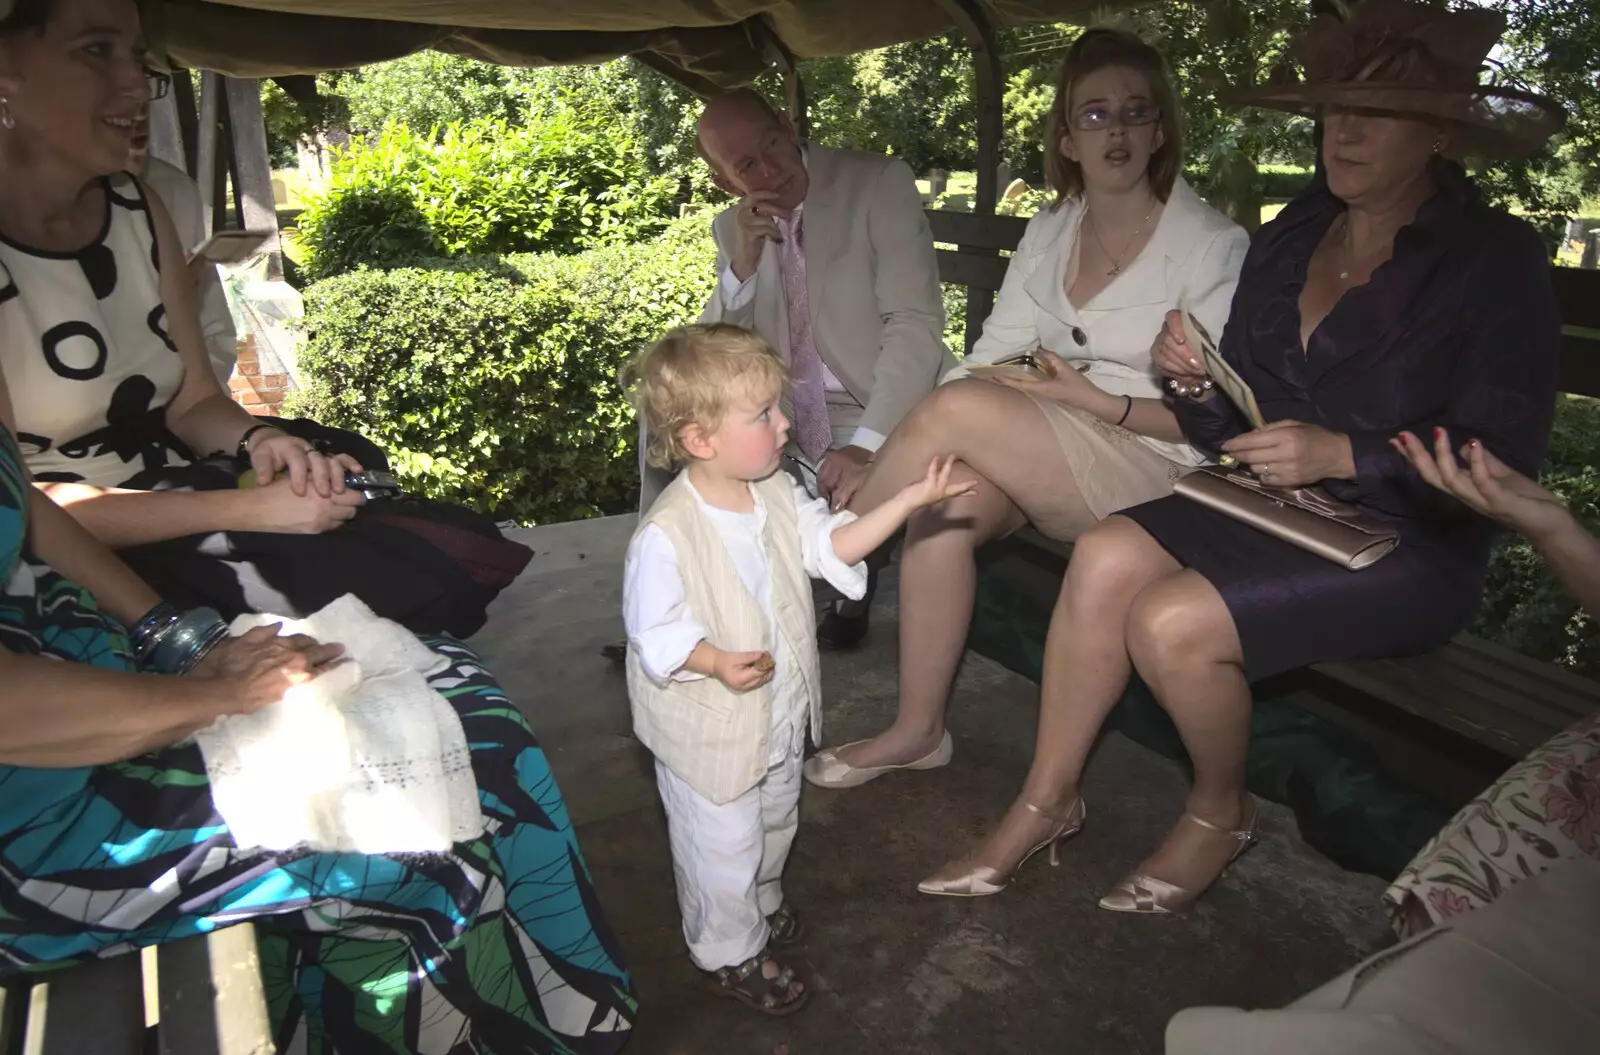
x=841 y=473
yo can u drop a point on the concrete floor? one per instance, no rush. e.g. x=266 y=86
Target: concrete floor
x=1037 y=969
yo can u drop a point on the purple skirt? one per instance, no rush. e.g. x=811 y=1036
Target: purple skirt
x=1293 y=609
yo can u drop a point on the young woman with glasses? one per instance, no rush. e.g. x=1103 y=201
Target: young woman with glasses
x=1085 y=294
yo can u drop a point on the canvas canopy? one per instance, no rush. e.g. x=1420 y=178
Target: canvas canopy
x=706 y=44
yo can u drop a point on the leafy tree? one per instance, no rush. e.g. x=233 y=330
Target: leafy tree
x=569 y=181
x=916 y=100
x=1551 y=47
x=1214 y=46
x=422 y=91
x=290 y=121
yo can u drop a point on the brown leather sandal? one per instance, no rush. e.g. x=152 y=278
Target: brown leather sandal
x=770 y=996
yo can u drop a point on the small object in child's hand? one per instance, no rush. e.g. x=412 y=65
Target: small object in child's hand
x=765 y=663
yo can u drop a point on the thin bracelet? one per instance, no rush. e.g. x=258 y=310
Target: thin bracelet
x=243 y=450
x=1126 y=412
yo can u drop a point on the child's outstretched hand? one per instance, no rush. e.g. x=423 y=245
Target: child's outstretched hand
x=935 y=487
x=743 y=671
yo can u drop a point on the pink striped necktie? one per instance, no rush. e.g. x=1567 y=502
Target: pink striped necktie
x=811 y=428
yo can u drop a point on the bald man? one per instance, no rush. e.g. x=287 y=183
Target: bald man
x=829 y=257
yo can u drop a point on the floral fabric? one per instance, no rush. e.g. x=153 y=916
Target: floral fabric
x=1544 y=810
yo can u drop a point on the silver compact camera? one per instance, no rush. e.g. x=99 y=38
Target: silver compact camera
x=373 y=484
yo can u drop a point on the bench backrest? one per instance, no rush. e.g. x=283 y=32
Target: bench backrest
x=977 y=264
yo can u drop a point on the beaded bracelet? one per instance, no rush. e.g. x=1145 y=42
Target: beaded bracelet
x=168 y=641
x=1193 y=390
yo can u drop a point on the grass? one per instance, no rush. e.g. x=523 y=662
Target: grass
x=290 y=239
x=296 y=188
x=959 y=192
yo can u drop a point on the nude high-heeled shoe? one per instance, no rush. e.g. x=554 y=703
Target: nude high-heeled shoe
x=826 y=769
x=961 y=878
x=1142 y=893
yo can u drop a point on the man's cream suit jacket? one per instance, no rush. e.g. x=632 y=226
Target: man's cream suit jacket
x=876 y=314
x=877 y=317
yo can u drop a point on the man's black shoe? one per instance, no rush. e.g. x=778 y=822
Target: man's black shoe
x=840 y=633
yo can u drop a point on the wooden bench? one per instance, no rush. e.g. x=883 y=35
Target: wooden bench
x=200 y=996
x=1480 y=690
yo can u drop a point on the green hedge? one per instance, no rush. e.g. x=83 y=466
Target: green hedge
x=492 y=382
x=570 y=181
x=1283 y=182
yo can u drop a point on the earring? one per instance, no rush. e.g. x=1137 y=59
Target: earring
x=1438 y=144
x=6 y=120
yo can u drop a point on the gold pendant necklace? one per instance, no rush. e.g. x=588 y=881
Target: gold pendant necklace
x=1116 y=261
x=1344 y=243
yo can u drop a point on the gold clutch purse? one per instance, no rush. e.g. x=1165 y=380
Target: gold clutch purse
x=1301 y=516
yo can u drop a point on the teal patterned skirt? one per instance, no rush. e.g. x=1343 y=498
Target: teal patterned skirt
x=498 y=947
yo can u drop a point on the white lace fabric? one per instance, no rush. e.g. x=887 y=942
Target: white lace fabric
x=367 y=758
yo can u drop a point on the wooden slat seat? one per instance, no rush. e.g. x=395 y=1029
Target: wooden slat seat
x=207 y=995
x=999 y=233
x=211 y=999
x=1478 y=689
x=92 y=1007
x=1481 y=690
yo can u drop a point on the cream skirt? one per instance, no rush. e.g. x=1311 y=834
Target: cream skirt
x=1112 y=467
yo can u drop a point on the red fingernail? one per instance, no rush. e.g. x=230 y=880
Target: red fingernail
x=1437 y=432
x=1474 y=444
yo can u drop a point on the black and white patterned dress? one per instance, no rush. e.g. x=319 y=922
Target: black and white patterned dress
x=87 y=355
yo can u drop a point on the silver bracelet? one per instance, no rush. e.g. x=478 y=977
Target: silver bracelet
x=181 y=643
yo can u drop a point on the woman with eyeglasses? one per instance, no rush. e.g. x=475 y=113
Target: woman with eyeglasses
x=121 y=410
x=109 y=373
x=1387 y=300
x=110 y=836
x=1085 y=294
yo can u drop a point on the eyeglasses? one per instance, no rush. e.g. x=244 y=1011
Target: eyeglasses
x=1100 y=118
x=160 y=83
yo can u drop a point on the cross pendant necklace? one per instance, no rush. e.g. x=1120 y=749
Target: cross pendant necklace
x=1116 y=261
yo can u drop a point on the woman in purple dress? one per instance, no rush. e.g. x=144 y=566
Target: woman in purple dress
x=1387 y=297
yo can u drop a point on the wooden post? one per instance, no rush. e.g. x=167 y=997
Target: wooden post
x=974 y=25
x=188 y=119
x=209 y=173
x=794 y=85
x=253 y=179
x=166 y=135
x=797 y=101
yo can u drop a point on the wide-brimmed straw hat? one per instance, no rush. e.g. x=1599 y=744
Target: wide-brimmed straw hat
x=1413 y=60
